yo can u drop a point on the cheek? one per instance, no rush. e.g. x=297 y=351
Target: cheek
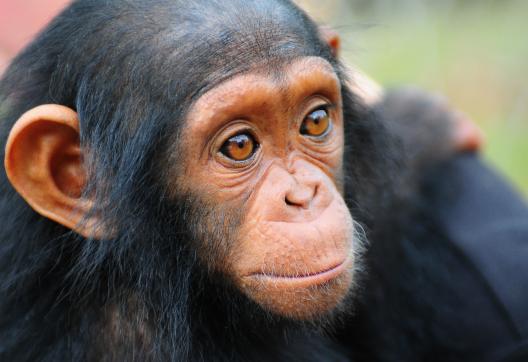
x=212 y=228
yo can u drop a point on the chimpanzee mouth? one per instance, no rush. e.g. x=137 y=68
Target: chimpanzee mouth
x=303 y=280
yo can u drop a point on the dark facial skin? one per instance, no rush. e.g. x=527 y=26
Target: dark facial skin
x=272 y=148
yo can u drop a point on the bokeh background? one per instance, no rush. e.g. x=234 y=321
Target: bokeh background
x=473 y=51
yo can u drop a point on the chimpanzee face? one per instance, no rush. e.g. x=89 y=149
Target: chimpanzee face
x=269 y=146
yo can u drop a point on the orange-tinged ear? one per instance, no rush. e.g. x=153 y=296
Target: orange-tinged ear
x=43 y=162
x=332 y=39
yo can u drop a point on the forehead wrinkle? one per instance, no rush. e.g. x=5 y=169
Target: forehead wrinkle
x=275 y=69
x=270 y=78
x=225 y=97
x=286 y=75
x=280 y=72
x=283 y=75
x=231 y=92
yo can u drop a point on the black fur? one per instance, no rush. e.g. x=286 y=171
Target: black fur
x=131 y=69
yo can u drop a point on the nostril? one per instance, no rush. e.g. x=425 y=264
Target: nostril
x=301 y=202
x=301 y=196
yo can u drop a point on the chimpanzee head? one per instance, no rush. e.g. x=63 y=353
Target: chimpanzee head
x=186 y=144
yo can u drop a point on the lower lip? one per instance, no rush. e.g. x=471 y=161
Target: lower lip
x=302 y=281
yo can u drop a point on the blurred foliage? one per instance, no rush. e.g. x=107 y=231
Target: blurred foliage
x=475 y=52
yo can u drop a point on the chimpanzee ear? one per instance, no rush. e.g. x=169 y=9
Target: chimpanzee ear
x=332 y=39
x=43 y=162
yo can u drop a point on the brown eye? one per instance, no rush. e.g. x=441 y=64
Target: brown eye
x=240 y=147
x=316 y=124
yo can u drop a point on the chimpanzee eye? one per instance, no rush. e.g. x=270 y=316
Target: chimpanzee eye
x=316 y=124
x=239 y=147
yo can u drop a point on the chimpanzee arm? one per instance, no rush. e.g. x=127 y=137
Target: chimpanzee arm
x=448 y=277
x=426 y=125
x=486 y=223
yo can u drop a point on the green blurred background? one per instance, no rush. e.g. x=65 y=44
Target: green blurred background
x=474 y=52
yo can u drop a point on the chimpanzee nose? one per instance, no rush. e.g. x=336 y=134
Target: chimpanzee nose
x=305 y=184
x=299 y=193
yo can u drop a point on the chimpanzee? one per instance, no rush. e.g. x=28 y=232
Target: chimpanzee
x=196 y=180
